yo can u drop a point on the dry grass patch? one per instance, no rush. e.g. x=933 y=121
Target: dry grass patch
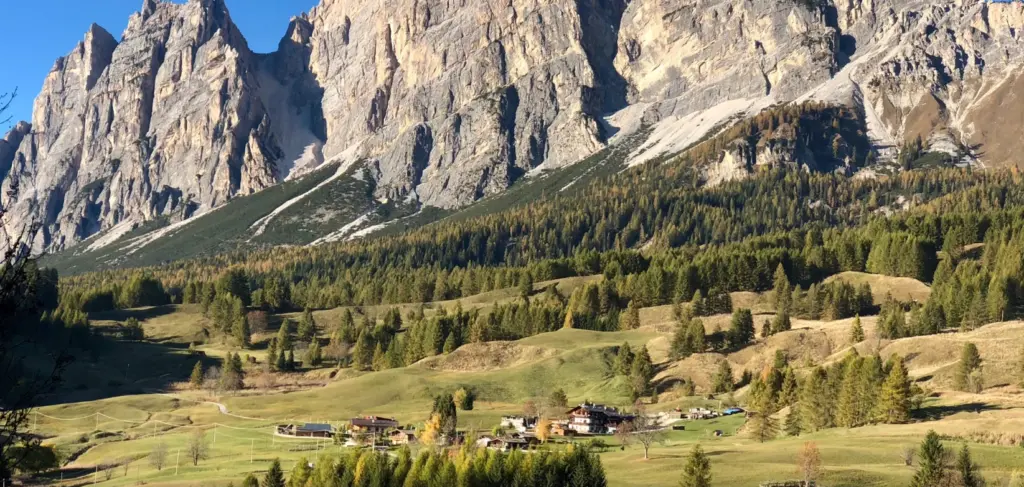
x=902 y=288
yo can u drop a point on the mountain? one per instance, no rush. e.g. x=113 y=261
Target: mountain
x=373 y=110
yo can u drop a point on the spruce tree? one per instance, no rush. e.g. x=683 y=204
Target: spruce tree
x=849 y=402
x=781 y=290
x=741 y=331
x=284 y=336
x=314 y=355
x=275 y=476
x=624 y=360
x=968 y=470
x=856 y=331
x=378 y=363
x=793 y=424
x=281 y=363
x=362 y=355
x=967 y=377
x=723 y=378
x=762 y=425
x=893 y=403
x=641 y=373
x=932 y=468
x=307 y=326
x=782 y=322
x=815 y=408
x=697 y=472
x=698 y=341
x=272 y=354
x=631 y=317
x=196 y=380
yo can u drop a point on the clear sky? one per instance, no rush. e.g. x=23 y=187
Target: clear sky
x=34 y=34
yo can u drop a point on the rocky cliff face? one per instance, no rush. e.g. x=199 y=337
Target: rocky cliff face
x=450 y=101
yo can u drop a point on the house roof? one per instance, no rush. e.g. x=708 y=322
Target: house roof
x=374 y=421
x=316 y=427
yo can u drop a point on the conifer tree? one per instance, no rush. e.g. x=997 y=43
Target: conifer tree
x=393 y=357
x=932 y=465
x=307 y=326
x=378 y=362
x=624 y=360
x=762 y=425
x=300 y=474
x=782 y=322
x=362 y=355
x=968 y=372
x=284 y=336
x=793 y=424
x=893 y=403
x=290 y=365
x=196 y=380
x=697 y=472
x=698 y=342
x=631 y=317
x=275 y=476
x=856 y=331
x=741 y=330
x=815 y=410
x=723 y=379
x=781 y=290
x=698 y=305
x=314 y=355
x=850 y=402
x=968 y=470
x=788 y=395
x=641 y=372
x=281 y=363
x=272 y=354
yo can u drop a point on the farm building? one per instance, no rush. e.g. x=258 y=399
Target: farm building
x=374 y=425
x=402 y=437
x=307 y=430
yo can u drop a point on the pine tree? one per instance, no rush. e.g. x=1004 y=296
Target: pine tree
x=723 y=379
x=624 y=360
x=449 y=344
x=362 y=355
x=790 y=388
x=762 y=425
x=782 y=322
x=641 y=372
x=314 y=355
x=698 y=341
x=697 y=472
x=849 y=402
x=932 y=468
x=196 y=380
x=698 y=305
x=275 y=476
x=741 y=331
x=968 y=372
x=631 y=317
x=272 y=354
x=856 y=331
x=815 y=410
x=968 y=470
x=781 y=290
x=793 y=421
x=281 y=363
x=893 y=403
x=307 y=326
x=378 y=363
x=284 y=336
x=300 y=474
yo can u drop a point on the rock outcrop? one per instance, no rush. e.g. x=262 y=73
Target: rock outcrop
x=450 y=101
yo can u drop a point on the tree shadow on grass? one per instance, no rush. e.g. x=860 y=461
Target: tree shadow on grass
x=141 y=314
x=935 y=413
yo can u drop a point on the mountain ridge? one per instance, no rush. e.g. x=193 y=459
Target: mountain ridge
x=446 y=104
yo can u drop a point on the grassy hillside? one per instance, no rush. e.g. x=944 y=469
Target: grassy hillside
x=101 y=436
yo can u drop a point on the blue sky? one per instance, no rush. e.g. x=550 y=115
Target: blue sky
x=35 y=34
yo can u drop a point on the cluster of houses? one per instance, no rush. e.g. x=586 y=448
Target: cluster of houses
x=704 y=413
x=520 y=432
